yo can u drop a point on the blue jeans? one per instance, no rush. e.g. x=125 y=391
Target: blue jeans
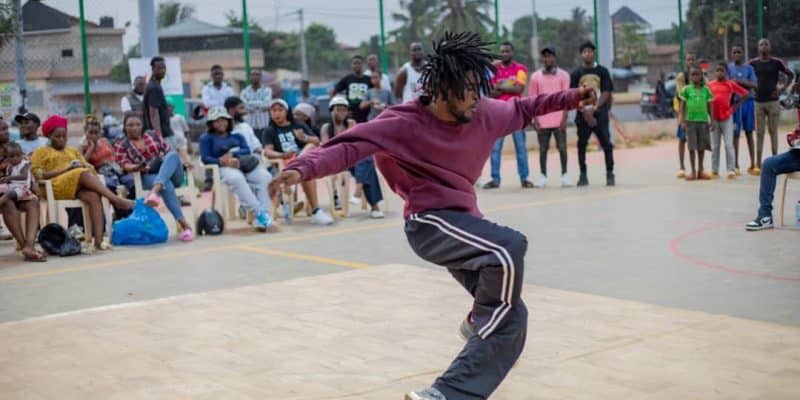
x=366 y=175
x=522 y=156
x=785 y=163
x=171 y=176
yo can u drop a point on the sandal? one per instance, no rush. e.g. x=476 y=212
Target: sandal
x=33 y=256
x=105 y=245
x=152 y=200
x=186 y=236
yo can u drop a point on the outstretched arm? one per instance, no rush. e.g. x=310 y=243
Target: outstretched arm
x=511 y=116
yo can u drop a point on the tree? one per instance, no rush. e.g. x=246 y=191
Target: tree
x=724 y=22
x=323 y=50
x=631 y=45
x=418 y=21
x=667 y=36
x=7 y=23
x=565 y=35
x=464 y=15
x=172 y=12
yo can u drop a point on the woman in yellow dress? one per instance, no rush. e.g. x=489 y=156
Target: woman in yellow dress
x=72 y=177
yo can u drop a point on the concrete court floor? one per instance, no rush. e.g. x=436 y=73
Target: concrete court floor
x=652 y=239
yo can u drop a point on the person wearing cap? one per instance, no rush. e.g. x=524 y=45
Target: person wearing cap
x=340 y=122
x=509 y=83
x=237 y=109
x=305 y=113
x=594 y=118
x=285 y=139
x=219 y=147
x=550 y=79
x=29 y=132
x=72 y=176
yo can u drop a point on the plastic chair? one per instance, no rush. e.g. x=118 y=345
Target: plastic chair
x=786 y=177
x=187 y=192
x=222 y=199
x=291 y=195
x=56 y=208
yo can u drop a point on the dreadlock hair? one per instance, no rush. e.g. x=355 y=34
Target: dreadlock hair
x=457 y=58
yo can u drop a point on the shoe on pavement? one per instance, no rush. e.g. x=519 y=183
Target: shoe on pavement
x=731 y=175
x=714 y=175
x=376 y=214
x=426 y=394
x=186 y=236
x=610 y=181
x=493 y=184
x=355 y=201
x=681 y=174
x=152 y=200
x=321 y=218
x=4 y=233
x=583 y=180
x=738 y=171
x=263 y=221
x=467 y=328
x=755 y=171
x=526 y=184
x=541 y=181
x=703 y=176
x=759 y=224
x=76 y=231
x=565 y=181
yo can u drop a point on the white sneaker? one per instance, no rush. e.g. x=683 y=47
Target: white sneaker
x=321 y=218
x=565 y=181
x=376 y=214
x=541 y=182
x=355 y=201
x=4 y=233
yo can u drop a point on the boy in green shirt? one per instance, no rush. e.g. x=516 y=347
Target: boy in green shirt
x=695 y=110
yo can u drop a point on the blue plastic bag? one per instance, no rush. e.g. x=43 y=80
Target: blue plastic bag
x=144 y=226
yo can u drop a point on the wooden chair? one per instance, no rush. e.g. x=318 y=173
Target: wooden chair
x=188 y=192
x=57 y=208
x=785 y=183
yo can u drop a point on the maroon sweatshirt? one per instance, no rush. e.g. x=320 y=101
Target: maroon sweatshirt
x=432 y=164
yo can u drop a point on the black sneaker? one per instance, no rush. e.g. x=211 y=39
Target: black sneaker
x=583 y=180
x=610 y=179
x=493 y=184
x=526 y=184
x=426 y=394
x=759 y=224
x=467 y=329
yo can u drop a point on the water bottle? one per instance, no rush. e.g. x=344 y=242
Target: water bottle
x=797 y=214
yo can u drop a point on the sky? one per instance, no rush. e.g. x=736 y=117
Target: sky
x=353 y=20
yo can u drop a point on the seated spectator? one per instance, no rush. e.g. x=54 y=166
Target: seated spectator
x=100 y=153
x=16 y=183
x=160 y=167
x=179 y=127
x=249 y=184
x=5 y=139
x=285 y=139
x=29 y=132
x=305 y=113
x=72 y=176
x=237 y=110
x=785 y=163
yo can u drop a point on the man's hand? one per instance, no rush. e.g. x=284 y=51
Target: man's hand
x=288 y=155
x=588 y=96
x=563 y=126
x=300 y=135
x=286 y=178
x=588 y=116
x=535 y=124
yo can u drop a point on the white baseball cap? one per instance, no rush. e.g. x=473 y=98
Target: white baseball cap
x=216 y=113
x=338 y=101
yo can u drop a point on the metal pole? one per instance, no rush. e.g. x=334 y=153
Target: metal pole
x=744 y=29
x=147 y=28
x=303 y=59
x=595 y=28
x=605 y=47
x=680 y=36
x=246 y=37
x=496 y=25
x=86 y=95
x=384 y=59
x=19 y=53
x=534 y=36
x=760 y=19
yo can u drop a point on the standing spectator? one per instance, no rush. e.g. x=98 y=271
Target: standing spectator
x=722 y=106
x=785 y=163
x=156 y=114
x=695 y=110
x=237 y=109
x=550 y=79
x=216 y=91
x=406 y=84
x=378 y=98
x=354 y=87
x=29 y=133
x=374 y=66
x=594 y=119
x=744 y=117
x=768 y=112
x=509 y=82
x=680 y=82
x=256 y=99
x=307 y=97
x=133 y=101
x=283 y=141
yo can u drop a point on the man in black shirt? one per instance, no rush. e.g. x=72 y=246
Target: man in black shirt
x=768 y=70
x=354 y=87
x=594 y=118
x=154 y=104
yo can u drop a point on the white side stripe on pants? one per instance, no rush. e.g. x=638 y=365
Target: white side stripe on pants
x=500 y=252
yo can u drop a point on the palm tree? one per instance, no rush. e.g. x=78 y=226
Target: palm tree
x=724 y=22
x=417 y=22
x=464 y=15
x=172 y=12
x=7 y=23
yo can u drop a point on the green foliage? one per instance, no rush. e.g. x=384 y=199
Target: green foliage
x=172 y=12
x=7 y=23
x=631 y=45
x=565 y=35
x=121 y=72
x=667 y=36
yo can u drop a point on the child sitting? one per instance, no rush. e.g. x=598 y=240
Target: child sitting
x=17 y=182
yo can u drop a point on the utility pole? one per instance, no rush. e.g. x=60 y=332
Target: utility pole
x=19 y=53
x=384 y=59
x=681 y=54
x=303 y=57
x=87 y=97
x=744 y=29
x=496 y=25
x=147 y=28
x=246 y=39
x=760 y=19
x=534 y=37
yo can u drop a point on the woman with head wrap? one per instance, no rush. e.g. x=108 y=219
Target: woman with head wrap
x=72 y=176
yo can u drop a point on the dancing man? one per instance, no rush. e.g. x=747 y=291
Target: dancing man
x=431 y=152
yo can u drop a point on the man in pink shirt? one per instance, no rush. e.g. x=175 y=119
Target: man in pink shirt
x=509 y=83
x=431 y=151
x=550 y=79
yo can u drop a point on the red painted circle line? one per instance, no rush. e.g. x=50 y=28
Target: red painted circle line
x=674 y=247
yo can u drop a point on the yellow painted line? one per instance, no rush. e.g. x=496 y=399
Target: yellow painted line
x=304 y=257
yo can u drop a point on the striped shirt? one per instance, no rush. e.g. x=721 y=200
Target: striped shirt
x=257 y=102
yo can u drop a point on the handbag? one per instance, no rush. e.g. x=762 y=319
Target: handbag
x=248 y=163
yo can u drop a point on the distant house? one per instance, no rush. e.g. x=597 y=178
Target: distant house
x=627 y=17
x=201 y=45
x=53 y=65
x=660 y=59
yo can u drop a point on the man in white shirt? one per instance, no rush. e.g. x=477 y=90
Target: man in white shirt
x=29 y=139
x=133 y=100
x=216 y=91
x=257 y=98
x=407 y=86
x=238 y=109
x=374 y=64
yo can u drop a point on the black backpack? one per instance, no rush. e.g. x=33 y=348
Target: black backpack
x=55 y=240
x=210 y=223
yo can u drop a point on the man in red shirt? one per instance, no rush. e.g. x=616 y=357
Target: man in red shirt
x=431 y=151
x=509 y=82
x=723 y=91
